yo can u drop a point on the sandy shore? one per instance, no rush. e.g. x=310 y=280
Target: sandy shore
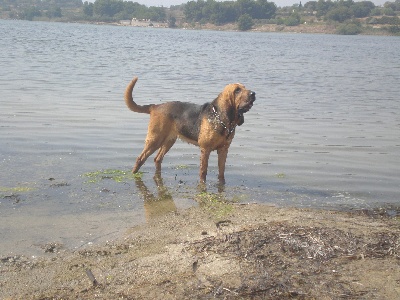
x=310 y=28
x=227 y=251
x=302 y=28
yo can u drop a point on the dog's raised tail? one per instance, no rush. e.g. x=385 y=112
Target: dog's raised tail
x=129 y=99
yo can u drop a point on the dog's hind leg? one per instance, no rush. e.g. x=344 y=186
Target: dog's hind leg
x=157 y=136
x=150 y=147
x=163 y=150
x=142 y=158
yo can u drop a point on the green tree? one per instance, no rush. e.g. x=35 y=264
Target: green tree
x=393 y=5
x=172 y=22
x=293 y=20
x=349 y=29
x=311 y=5
x=376 y=12
x=340 y=14
x=388 y=11
x=347 y=3
x=193 y=11
x=323 y=7
x=246 y=7
x=88 y=9
x=29 y=13
x=107 y=8
x=394 y=30
x=362 y=9
x=132 y=8
x=156 y=14
x=245 y=22
x=219 y=12
x=54 y=12
x=264 y=10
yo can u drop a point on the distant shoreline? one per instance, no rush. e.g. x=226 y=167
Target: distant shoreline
x=315 y=28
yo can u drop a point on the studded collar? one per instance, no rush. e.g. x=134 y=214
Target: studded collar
x=216 y=120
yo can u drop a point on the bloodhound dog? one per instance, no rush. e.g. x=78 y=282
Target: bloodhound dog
x=210 y=126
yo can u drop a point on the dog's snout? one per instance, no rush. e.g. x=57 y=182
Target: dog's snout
x=253 y=96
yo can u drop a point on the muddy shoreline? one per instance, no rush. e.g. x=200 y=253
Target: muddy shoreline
x=245 y=252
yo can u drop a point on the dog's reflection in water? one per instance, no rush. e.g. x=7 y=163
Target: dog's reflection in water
x=159 y=205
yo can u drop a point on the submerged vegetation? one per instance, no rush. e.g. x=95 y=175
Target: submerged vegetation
x=215 y=204
x=342 y=17
x=116 y=175
x=13 y=194
x=17 y=189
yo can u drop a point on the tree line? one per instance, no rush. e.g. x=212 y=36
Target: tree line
x=243 y=12
x=348 y=14
x=75 y=10
x=343 y=10
x=219 y=13
x=115 y=10
x=29 y=9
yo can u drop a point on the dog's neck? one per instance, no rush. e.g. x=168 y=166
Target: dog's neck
x=216 y=119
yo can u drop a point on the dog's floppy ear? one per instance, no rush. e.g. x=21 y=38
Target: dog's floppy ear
x=240 y=119
x=231 y=92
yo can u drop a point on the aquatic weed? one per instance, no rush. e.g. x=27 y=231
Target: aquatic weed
x=14 y=193
x=113 y=174
x=216 y=204
x=18 y=189
x=181 y=167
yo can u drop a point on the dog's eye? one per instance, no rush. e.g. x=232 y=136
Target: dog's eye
x=238 y=90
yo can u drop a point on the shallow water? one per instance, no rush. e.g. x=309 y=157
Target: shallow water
x=324 y=130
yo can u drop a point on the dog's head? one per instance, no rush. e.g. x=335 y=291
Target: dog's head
x=242 y=99
x=233 y=102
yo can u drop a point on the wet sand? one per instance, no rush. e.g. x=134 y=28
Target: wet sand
x=224 y=251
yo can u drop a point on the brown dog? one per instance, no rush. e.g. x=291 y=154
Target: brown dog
x=210 y=126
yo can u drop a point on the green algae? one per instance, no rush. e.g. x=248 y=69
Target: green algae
x=18 y=189
x=112 y=174
x=216 y=204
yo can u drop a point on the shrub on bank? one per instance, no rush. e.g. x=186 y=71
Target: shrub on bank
x=349 y=29
x=395 y=30
x=245 y=22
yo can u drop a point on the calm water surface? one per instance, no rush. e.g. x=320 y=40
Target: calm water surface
x=324 y=131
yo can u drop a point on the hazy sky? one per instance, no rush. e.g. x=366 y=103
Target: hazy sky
x=280 y=3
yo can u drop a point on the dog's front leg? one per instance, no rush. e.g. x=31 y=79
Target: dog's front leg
x=222 y=154
x=205 y=154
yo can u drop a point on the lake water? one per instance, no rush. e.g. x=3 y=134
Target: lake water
x=324 y=131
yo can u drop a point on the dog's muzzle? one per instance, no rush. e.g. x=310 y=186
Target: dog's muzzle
x=249 y=104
